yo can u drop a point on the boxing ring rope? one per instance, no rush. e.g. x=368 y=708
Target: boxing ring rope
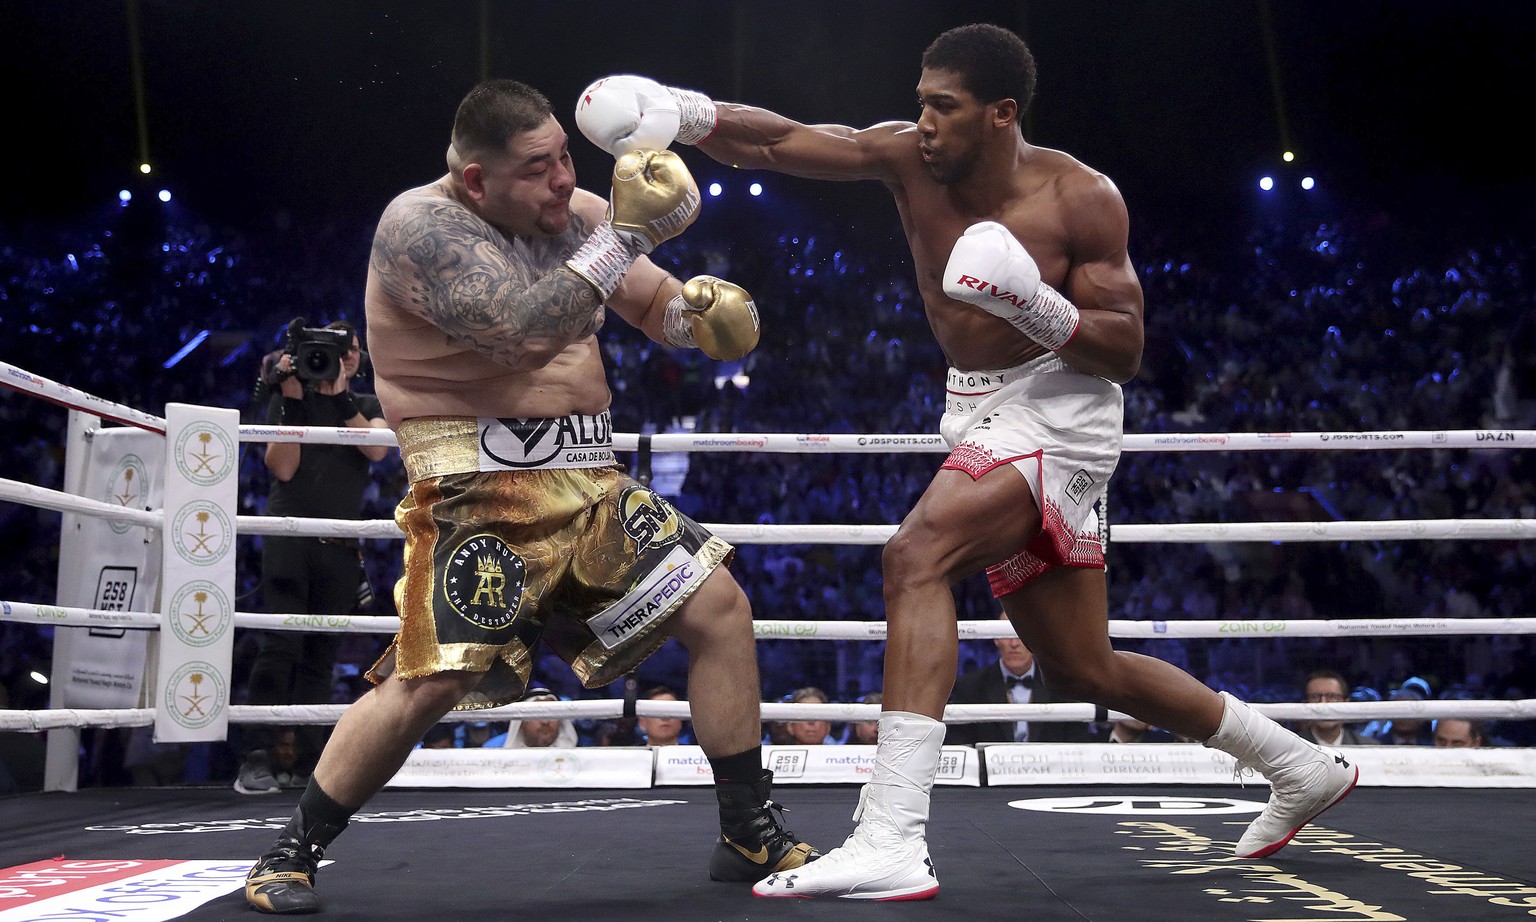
x=384 y=529
x=1185 y=533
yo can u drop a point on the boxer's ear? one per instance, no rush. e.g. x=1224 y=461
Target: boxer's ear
x=474 y=180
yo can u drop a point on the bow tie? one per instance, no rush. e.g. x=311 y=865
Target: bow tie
x=1027 y=681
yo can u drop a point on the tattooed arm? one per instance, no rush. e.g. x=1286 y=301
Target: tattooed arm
x=434 y=258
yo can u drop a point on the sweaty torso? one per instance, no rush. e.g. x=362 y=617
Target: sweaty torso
x=934 y=217
x=420 y=371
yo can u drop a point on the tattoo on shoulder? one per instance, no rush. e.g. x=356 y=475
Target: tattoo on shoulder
x=508 y=299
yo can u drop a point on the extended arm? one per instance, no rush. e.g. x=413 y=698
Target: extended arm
x=617 y=113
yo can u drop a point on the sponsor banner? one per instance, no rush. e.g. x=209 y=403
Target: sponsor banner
x=833 y=764
x=594 y=767
x=1190 y=763
x=127 y=890
x=677 y=575
x=196 y=640
x=1429 y=767
x=111 y=566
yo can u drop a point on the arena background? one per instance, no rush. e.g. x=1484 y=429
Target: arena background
x=290 y=124
x=252 y=109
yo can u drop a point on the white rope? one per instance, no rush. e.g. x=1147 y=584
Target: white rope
x=613 y=708
x=900 y=443
x=1191 y=533
x=66 y=396
x=1185 y=533
x=818 y=443
x=17 y=491
x=319 y=435
x=907 y=443
x=765 y=629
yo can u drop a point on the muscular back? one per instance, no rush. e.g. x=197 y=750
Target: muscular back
x=439 y=345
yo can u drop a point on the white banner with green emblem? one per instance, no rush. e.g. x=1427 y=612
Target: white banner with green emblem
x=197 y=599
x=107 y=565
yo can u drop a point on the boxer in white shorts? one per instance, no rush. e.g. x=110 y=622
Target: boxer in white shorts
x=1021 y=255
x=1061 y=429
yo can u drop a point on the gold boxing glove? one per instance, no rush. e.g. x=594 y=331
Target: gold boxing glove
x=714 y=316
x=654 y=198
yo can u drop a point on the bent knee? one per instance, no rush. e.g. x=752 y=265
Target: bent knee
x=1079 y=681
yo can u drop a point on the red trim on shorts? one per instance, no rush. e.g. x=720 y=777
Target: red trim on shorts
x=1055 y=546
x=977 y=460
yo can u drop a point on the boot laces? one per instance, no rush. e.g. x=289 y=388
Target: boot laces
x=293 y=855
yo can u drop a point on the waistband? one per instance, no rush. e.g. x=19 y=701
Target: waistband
x=436 y=446
x=979 y=383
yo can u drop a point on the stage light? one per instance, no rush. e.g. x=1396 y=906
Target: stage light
x=165 y=195
x=715 y=189
x=124 y=196
x=1267 y=183
x=1307 y=183
x=145 y=168
x=182 y=353
x=756 y=188
x=1288 y=157
x=39 y=678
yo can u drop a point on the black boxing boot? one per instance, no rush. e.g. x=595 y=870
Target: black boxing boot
x=283 y=880
x=753 y=842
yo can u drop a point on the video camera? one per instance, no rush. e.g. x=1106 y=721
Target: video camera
x=317 y=352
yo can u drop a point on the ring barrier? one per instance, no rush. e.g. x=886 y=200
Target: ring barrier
x=771 y=629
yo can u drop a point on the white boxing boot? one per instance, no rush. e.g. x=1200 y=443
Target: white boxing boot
x=1305 y=778
x=886 y=857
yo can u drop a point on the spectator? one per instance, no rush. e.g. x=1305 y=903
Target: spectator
x=1132 y=730
x=440 y=736
x=865 y=732
x=660 y=731
x=474 y=735
x=1406 y=731
x=1325 y=686
x=1459 y=733
x=536 y=733
x=807 y=732
x=1011 y=678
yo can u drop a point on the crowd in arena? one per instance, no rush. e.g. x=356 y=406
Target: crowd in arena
x=1305 y=325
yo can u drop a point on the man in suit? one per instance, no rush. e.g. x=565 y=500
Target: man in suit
x=1010 y=679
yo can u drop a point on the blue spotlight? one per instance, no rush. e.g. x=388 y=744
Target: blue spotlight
x=193 y=343
x=1308 y=183
x=756 y=188
x=165 y=195
x=124 y=197
x=715 y=189
x=1267 y=183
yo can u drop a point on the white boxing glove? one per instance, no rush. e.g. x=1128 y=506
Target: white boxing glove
x=624 y=112
x=990 y=268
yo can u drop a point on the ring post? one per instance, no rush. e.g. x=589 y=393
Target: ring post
x=197 y=599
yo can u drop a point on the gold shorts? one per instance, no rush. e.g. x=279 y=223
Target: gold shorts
x=587 y=559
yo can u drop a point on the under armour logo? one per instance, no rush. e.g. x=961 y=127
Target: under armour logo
x=931 y=872
x=788 y=879
x=1339 y=758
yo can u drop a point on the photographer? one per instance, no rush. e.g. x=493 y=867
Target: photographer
x=308 y=384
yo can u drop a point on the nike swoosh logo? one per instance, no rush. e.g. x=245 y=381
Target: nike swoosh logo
x=758 y=857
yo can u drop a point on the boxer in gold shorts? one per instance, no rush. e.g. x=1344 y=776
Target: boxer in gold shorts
x=486 y=290
x=497 y=560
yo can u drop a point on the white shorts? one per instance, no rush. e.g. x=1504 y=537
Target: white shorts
x=1062 y=429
